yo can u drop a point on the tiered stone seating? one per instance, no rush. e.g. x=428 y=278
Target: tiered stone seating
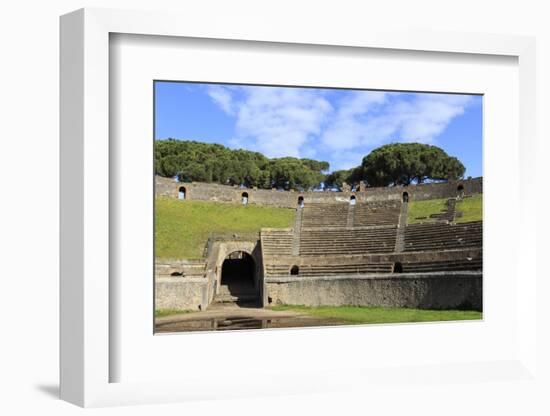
x=277 y=269
x=276 y=242
x=446 y=265
x=434 y=237
x=339 y=266
x=315 y=242
x=344 y=268
x=381 y=213
x=325 y=215
x=328 y=243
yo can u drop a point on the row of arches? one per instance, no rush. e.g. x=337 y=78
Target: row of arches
x=405 y=197
x=182 y=192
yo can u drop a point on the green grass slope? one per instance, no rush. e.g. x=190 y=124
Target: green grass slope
x=377 y=315
x=468 y=209
x=471 y=208
x=420 y=211
x=182 y=227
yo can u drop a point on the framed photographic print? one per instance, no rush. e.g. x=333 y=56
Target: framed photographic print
x=297 y=207
x=286 y=200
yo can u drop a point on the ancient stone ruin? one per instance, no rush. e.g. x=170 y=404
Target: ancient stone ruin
x=337 y=252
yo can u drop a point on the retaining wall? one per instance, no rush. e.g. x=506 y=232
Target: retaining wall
x=437 y=290
x=167 y=187
x=181 y=293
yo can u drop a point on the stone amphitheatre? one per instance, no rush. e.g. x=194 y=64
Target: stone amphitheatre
x=343 y=248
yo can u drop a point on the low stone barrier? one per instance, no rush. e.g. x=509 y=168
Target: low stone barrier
x=181 y=293
x=435 y=290
x=166 y=187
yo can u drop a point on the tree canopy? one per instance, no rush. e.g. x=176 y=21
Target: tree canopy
x=405 y=163
x=207 y=162
x=389 y=165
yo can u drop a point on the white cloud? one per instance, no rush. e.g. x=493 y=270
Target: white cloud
x=299 y=122
x=429 y=115
x=275 y=121
x=221 y=97
x=374 y=120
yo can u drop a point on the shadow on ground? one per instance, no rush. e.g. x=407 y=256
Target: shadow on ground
x=51 y=390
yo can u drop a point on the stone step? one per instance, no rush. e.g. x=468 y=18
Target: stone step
x=228 y=298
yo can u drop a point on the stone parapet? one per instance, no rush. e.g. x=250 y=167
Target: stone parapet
x=166 y=187
x=434 y=290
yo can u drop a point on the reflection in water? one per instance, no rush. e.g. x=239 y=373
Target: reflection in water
x=243 y=322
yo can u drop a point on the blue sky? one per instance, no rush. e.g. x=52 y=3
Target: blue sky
x=335 y=125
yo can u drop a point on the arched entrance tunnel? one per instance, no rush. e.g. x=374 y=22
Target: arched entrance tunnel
x=238 y=278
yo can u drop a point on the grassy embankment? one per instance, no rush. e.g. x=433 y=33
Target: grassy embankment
x=376 y=315
x=470 y=208
x=182 y=228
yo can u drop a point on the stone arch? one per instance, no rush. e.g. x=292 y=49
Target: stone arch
x=405 y=197
x=244 y=198
x=397 y=267
x=295 y=270
x=182 y=192
x=460 y=190
x=352 y=200
x=300 y=201
x=238 y=273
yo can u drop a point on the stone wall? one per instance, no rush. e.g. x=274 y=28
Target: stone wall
x=437 y=290
x=166 y=187
x=181 y=293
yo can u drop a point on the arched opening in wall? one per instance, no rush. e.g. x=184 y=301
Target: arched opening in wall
x=300 y=202
x=352 y=200
x=460 y=190
x=237 y=277
x=397 y=267
x=405 y=197
x=182 y=192
x=294 y=270
x=244 y=198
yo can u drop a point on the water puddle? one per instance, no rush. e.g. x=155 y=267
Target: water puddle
x=231 y=323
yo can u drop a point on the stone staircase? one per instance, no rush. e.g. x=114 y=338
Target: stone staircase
x=448 y=214
x=225 y=295
x=401 y=226
x=351 y=216
x=297 y=232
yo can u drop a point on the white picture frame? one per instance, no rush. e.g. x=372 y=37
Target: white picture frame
x=87 y=356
